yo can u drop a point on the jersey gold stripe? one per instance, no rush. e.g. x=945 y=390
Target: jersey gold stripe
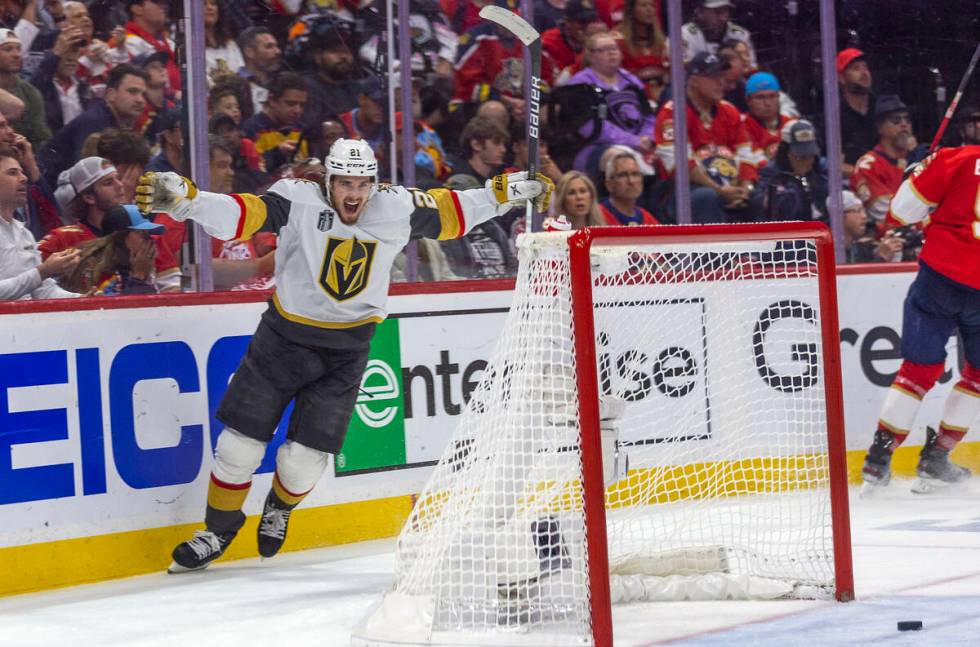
x=333 y=325
x=254 y=213
x=450 y=214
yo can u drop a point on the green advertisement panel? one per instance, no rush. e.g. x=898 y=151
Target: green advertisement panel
x=376 y=437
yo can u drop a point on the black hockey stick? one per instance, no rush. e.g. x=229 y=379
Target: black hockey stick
x=531 y=39
x=956 y=99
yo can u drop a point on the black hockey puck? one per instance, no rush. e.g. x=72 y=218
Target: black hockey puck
x=909 y=625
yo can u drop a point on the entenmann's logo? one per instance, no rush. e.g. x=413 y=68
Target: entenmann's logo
x=347 y=266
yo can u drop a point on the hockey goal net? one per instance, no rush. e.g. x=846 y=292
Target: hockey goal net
x=661 y=420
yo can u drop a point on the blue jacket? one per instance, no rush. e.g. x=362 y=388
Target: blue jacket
x=65 y=148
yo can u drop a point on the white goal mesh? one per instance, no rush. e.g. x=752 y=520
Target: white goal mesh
x=714 y=439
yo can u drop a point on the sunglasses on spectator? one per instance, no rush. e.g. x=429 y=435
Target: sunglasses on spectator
x=606 y=50
x=898 y=119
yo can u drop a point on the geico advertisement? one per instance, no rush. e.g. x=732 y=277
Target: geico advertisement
x=107 y=417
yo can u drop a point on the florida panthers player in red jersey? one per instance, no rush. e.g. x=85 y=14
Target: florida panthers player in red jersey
x=945 y=188
x=333 y=265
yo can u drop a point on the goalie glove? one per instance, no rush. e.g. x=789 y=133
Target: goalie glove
x=512 y=190
x=165 y=193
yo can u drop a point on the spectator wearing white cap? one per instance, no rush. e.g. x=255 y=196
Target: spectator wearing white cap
x=21 y=17
x=860 y=245
x=87 y=192
x=32 y=123
x=711 y=27
x=22 y=272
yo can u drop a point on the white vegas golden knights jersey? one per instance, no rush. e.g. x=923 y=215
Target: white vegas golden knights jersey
x=330 y=276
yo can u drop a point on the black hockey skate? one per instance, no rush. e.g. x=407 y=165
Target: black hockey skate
x=877 y=471
x=273 y=526
x=195 y=554
x=935 y=470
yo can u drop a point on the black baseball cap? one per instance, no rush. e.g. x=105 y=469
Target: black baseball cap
x=706 y=64
x=887 y=104
x=127 y=216
x=580 y=11
x=153 y=57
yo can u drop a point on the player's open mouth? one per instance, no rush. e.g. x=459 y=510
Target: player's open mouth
x=351 y=207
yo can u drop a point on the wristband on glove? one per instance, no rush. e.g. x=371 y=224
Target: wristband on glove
x=511 y=190
x=165 y=192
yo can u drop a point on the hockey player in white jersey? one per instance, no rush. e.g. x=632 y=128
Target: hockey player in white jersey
x=336 y=247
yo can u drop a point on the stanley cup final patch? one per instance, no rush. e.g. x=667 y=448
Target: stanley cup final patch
x=325 y=221
x=346 y=267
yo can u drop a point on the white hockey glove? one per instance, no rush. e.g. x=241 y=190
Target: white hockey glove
x=165 y=193
x=512 y=190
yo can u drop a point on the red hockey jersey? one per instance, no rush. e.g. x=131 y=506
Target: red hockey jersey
x=765 y=141
x=719 y=134
x=69 y=236
x=488 y=66
x=947 y=183
x=875 y=180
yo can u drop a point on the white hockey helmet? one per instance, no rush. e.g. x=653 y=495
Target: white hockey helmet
x=352 y=157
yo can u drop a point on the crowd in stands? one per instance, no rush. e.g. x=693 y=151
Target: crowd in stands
x=91 y=97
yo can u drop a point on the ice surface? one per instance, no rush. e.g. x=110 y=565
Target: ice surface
x=915 y=558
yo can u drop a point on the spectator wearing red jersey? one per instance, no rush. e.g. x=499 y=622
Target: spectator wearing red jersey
x=719 y=150
x=490 y=65
x=624 y=181
x=146 y=33
x=464 y=15
x=562 y=46
x=878 y=173
x=763 y=122
x=644 y=45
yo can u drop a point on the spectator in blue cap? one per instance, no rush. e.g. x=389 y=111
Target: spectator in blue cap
x=763 y=121
x=122 y=260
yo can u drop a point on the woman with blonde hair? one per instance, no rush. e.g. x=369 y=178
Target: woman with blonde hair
x=576 y=199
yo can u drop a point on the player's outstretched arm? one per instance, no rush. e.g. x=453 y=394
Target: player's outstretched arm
x=445 y=214
x=236 y=216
